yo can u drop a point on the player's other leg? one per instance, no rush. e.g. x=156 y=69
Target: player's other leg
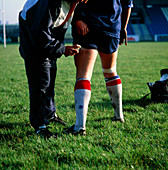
x=113 y=83
x=84 y=62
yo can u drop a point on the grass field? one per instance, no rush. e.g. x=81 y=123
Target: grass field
x=140 y=143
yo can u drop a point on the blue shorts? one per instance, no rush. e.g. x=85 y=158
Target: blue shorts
x=96 y=40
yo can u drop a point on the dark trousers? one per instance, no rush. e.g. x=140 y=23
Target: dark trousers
x=41 y=76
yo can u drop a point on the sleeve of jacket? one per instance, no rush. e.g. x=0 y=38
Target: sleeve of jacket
x=39 y=22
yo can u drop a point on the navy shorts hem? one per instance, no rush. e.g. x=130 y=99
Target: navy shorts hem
x=97 y=40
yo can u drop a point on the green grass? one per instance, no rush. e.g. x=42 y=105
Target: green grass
x=140 y=143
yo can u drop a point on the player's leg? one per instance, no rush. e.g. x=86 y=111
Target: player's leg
x=84 y=62
x=113 y=82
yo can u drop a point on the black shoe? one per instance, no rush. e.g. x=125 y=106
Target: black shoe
x=117 y=119
x=56 y=119
x=72 y=131
x=44 y=132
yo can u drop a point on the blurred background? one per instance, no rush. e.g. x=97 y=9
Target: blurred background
x=148 y=22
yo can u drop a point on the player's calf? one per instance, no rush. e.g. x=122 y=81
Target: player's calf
x=114 y=89
x=82 y=93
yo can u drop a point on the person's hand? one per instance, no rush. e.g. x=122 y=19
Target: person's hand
x=72 y=50
x=123 y=36
x=82 y=28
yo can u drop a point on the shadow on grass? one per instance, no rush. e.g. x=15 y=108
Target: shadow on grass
x=12 y=125
x=13 y=131
x=107 y=104
x=14 y=109
x=139 y=102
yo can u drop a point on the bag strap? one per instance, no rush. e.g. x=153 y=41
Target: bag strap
x=144 y=97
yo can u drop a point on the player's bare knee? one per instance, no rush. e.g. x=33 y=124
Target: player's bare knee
x=110 y=72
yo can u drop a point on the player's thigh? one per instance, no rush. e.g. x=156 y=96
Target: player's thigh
x=84 y=62
x=108 y=60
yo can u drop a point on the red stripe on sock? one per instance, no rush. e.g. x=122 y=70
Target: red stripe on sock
x=113 y=82
x=83 y=84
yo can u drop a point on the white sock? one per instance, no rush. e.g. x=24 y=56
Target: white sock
x=82 y=95
x=114 y=89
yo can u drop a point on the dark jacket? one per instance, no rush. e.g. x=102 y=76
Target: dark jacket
x=38 y=38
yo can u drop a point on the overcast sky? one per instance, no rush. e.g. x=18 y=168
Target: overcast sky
x=12 y=8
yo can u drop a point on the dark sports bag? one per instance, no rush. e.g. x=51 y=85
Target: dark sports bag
x=159 y=89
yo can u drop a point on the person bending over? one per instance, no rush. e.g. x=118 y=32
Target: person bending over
x=42 y=25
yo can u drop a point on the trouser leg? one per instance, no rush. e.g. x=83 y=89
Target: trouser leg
x=41 y=78
x=50 y=93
